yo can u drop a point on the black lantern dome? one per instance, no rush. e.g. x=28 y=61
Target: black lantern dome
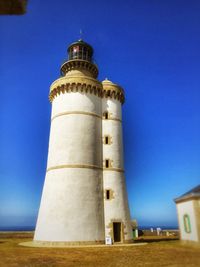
x=80 y=50
x=79 y=57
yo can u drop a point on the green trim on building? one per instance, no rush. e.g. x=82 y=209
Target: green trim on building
x=187 y=225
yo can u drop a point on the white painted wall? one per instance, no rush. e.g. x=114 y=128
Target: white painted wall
x=113 y=106
x=196 y=203
x=115 y=150
x=71 y=208
x=76 y=101
x=187 y=208
x=75 y=139
x=116 y=209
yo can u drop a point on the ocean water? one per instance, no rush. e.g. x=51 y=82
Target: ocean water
x=32 y=228
x=17 y=228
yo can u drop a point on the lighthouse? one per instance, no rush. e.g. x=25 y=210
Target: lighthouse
x=84 y=197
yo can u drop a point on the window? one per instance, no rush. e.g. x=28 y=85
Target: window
x=107 y=194
x=107 y=163
x=187 y=226
x=79 y=52
x=107 y=140
x=105 y=115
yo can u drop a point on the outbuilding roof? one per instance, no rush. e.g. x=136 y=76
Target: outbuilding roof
x=192 y=194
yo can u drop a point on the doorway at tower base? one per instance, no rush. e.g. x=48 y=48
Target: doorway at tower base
x=117 y=233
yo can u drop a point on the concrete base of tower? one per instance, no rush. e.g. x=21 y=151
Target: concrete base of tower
x=100 y=243
x=61 y=244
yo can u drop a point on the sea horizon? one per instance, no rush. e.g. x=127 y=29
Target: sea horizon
x=32 y=228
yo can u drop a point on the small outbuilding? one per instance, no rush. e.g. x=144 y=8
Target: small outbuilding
x=188 y=210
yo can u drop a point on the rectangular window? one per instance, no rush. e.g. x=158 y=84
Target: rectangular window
x=105 y=115
x=106 y=140
x=187 y=226
x=107 y=194
x=107 y=163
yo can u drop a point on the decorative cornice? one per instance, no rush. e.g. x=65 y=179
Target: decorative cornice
x=75 y=87
x=79 y=64
x=115 y=93
x=77 y=79
x=84 y=84
x=113 y=90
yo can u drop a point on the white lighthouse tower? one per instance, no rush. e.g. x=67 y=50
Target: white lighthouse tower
x=84 y=197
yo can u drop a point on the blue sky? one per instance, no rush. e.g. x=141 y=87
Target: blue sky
x=151 y=48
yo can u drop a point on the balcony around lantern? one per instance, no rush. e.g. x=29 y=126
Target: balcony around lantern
x=77 y=63
x=79 y=57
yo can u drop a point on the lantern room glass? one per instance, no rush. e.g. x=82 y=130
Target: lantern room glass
x=79 y=52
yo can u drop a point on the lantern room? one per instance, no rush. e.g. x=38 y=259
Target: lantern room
x=80 y=50
x=79 y=58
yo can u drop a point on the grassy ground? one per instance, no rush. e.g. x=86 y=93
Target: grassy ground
x=155 y=254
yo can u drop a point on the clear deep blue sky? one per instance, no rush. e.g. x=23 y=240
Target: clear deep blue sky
x=149 y=47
